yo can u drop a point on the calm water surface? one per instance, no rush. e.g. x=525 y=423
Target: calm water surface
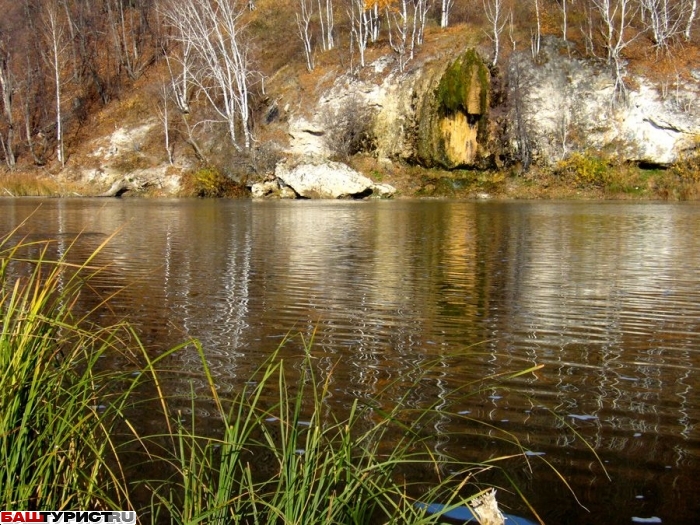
x=434 y=295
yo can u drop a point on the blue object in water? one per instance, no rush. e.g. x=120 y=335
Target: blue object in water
x=465 y=515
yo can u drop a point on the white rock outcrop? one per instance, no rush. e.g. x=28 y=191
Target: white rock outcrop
x=566 y=104
x=323 y=180
x=569 y=104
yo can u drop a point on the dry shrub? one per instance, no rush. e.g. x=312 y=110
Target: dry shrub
x=586 y=170
x=351 y=130
x=28 y=185
x=210 y=182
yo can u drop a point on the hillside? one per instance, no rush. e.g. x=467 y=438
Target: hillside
x=196 y=97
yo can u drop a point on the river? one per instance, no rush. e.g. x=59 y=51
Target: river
x=430 y=296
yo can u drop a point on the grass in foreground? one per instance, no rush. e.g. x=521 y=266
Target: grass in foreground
x=67 y=442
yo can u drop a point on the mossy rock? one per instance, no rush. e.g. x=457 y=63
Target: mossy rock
x=464 y=87
x=453 y=118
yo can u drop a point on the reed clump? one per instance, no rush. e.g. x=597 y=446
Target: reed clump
x=67 y=440
x=57 y=409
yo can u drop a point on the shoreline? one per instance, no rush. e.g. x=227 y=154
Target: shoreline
x=621 y=183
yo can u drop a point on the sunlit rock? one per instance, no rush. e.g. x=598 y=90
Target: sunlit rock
x=567 y=104
x=328 y=180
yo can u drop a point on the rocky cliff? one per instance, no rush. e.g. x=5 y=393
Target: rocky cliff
x=567 y=104
x=453 y=112
x=447 y=111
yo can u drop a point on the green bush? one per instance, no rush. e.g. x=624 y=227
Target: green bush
x=687 y=168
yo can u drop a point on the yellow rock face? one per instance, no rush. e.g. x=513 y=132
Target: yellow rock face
x=459 y=131
x=459 y=138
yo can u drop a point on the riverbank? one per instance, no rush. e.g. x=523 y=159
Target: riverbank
x=579 y=178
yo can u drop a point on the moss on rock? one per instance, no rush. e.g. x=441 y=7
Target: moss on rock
x=453 y=119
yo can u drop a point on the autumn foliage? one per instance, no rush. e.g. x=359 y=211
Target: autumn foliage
x=63 y=61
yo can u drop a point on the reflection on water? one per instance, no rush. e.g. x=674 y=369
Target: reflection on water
x=606 y=296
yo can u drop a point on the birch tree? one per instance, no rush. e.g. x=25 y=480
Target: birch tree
x=445 y=8
x=359 y=28
x=664 y=19
x=303 y=17
x=421 y=8
x=55 y=36
x=399 y=31
x=163 y=109
x=327 y=24
x=371 y=13
x=493 y=9
x=128 y=22
x=181 y=82
x=565 y=18
x=406 y=20
x=692 y=11
x=615 y=16
x=6 y=98
x=537 y=36
x=212 y=31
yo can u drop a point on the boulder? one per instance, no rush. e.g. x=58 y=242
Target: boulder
x=322 y=180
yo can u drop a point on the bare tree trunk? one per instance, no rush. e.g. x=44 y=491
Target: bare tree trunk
x=564 y=19
x=535 y=44
x=372 y=17
x=420 y=9
x=329 y=24
x=520 y=126
x=691 y=17
x=665 y=20
x=180 y=84
x=71 y=29
x=164 y=115
x=303 y=16
x=7 y=90
x=55 y=35
x=399 y=17
x=190 y=139
x=211 y=29
x=615 y=18
x=323 y=26
x=495 y=16
x=360 y=30
x=446 y=6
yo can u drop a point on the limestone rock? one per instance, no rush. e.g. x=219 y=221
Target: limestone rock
x=320 y=180
x=327 y=180
x=567 y=104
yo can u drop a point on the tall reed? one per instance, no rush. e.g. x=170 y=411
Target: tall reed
x=57 y=410
x=321 y=468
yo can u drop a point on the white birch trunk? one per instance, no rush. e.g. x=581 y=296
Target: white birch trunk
x=329 y=24
x=6 y=89
x=691 y=18
x=55 y=37
x=303 y=17
x=445 y=7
